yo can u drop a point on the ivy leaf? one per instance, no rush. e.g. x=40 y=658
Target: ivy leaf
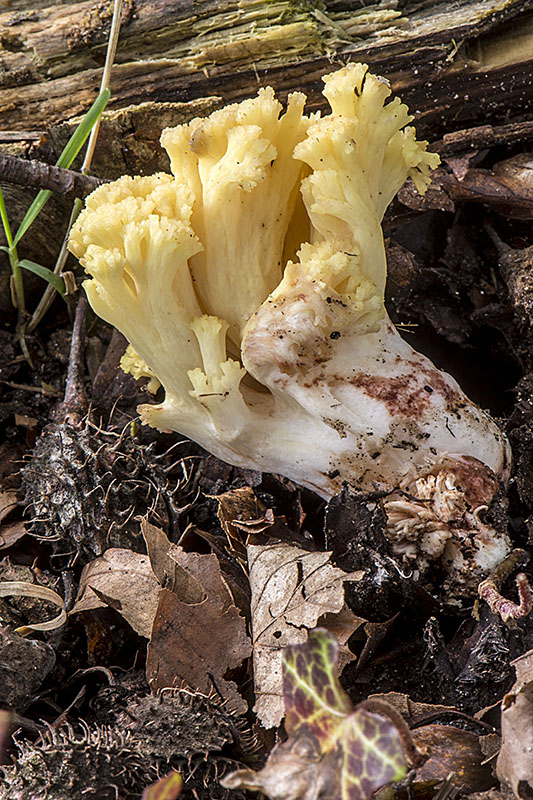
x=312 y=694
x=372 y=755
x=333 y=750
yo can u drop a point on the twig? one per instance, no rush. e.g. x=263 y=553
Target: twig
x=74 y=405
x=20 y=136
x=48 y=296
x=38 y=175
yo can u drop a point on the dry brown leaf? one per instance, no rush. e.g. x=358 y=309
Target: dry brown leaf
x=34 y=590
x=123 y=580
x=10 y=533
x=239 y=505
x=167 y=570
x=196 y=644
x=452 y=750
x=343 y=625
x=204 y=570
x=8 y=501
x=515 y=762
x=412 y=711
x=157 y=546
x=198 y=634
x=291 y=590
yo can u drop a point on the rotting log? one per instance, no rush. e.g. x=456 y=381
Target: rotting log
x=466 y=65
x=455 y=64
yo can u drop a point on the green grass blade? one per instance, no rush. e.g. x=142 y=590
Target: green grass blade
x=5 y=220
x=43 y=272
x=78 y=138
x=32 y=212
x=72 y=148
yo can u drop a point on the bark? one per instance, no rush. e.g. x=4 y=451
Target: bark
x=456 y=64
x=465 y=70
x=37 y=175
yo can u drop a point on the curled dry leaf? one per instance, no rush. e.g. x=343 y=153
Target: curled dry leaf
x=333 y=750
x=515 y=762
x=26 y=589
x=123 y=580
x=240 y=505
x=291 y=590
x=8 y=501
x=168 y=572
x=198 y=633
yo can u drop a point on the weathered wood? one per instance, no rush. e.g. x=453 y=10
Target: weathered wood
x=463 y=65
x=36 y=175
x=456 y=64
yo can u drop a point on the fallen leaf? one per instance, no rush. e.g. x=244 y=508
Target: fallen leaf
x=10 y=533
x=240 y=505
x=343 y=625
x=375 y=633
x=332 y=750
x=167 y=570
x=33 y=590
x=196 y=644
x=291 y=590
x=452 y=750
x=123 y=580
x=204 y=570
x=166 y=788
x=8 y=501
x=157 y=546
x=515 y=761
x=412 y=711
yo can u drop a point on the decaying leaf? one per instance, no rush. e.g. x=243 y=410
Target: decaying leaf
x=237 y=506
x=10 y=532
x=291 y=590
x=333 y=750
x=411 y=710
x=204 y=571
x=454 y=752
x=27 y=589
x=515 y=762
x=123 y=580
x=198 y=633
x=168 y=572
x=8 y=501
x=196 y=644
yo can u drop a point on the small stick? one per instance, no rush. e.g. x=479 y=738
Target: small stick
x=38 y=175
x=75 y=404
